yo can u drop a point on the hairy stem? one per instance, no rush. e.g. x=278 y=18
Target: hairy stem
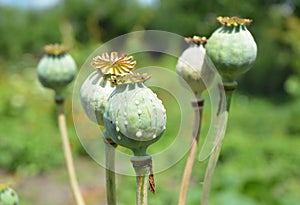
x=216 y=152
x=110 y=172
x=186 y=178
x=67 y=151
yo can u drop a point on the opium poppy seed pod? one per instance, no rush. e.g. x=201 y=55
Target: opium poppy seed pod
x=8 y=196
x=134 y=116
x=93 y=96
x=96 y=88
x=194 y=65
x=232 y=48
x=57 y=68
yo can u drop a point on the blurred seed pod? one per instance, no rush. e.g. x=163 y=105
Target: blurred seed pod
x=57 y=68
x=232 y=47
x=8 y=196
x=195 y=67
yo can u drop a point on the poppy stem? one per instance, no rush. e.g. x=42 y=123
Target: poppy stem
x=67 y=150
x=142 y=166
x=186 y=178
x=229 y=88
x=110 y=171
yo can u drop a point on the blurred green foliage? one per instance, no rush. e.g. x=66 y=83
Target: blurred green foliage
x=81 y=22
x=260 y=160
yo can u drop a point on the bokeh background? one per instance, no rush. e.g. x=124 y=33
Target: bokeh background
x=260 y=160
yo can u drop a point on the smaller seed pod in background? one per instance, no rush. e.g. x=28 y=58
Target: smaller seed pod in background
x=8 y=196
x=57 y=68
x=232 y=48
x=194 y=66
x=134 y=116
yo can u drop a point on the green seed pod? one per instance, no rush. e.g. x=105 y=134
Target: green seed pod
x=194 y=66
x=134 y=117
x=94 y=93
x=232 y=48
x=96 y=89
x=57 y=68
x=8 y=196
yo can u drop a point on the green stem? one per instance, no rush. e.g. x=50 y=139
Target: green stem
x=67 y=150
x=142 y=166
x=229 y=88
x=110 y=173
x=186 y=178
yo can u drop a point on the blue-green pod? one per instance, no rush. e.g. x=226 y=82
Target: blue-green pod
x=97 y=88
x=134 y=117
x=195 y=67
x=8 y=196
x=232 y=48
x=94 y=94
x=57 y=68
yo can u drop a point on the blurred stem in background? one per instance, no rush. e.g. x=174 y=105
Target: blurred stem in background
x=216 y=152
x=67 y=149
x=186 y=178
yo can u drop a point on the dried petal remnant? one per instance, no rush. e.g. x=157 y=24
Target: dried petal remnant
x=128 y=79
x=55 y=49
x=4 y=186
x=196 y=40
x=113 y=64
x=234 y=21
